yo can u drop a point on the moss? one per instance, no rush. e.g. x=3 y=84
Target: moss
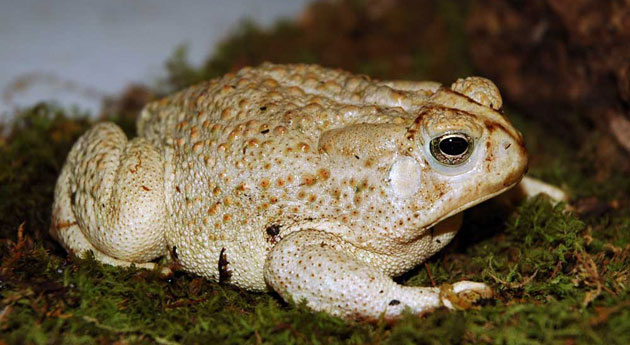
x=559 y=276
x=31 y=156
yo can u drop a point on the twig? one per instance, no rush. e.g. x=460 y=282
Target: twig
x=426 y=265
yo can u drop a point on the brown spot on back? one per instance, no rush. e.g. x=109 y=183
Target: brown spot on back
x=309 y=180
x=197 y=146
x=324 y=174
x=264 y=183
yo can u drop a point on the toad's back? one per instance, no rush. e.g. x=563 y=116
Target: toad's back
x=242 y=160
x=278 y=94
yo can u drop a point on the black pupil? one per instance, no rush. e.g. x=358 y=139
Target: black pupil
x=453 y=146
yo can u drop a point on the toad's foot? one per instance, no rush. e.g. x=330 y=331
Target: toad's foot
x=316 y=267
x=109 y=199
x=531 y=187
x=463 y=294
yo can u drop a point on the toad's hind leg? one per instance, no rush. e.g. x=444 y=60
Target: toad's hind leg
x=319 y=268
x=109 y=199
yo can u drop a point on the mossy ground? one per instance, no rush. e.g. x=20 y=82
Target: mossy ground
x=559 y=276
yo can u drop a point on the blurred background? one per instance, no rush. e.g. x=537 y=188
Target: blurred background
x=76 y=52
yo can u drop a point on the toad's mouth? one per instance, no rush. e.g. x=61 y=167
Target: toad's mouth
x=471 y=204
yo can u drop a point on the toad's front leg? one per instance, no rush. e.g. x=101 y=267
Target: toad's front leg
x=316 y=266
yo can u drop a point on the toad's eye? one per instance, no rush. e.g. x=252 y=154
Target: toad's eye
x=452 y=148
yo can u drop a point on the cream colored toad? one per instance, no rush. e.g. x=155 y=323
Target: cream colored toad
x=313 y=182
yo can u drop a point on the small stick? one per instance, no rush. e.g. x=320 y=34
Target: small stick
x=426 y=265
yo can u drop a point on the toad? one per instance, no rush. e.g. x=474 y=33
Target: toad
x=316 y=183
